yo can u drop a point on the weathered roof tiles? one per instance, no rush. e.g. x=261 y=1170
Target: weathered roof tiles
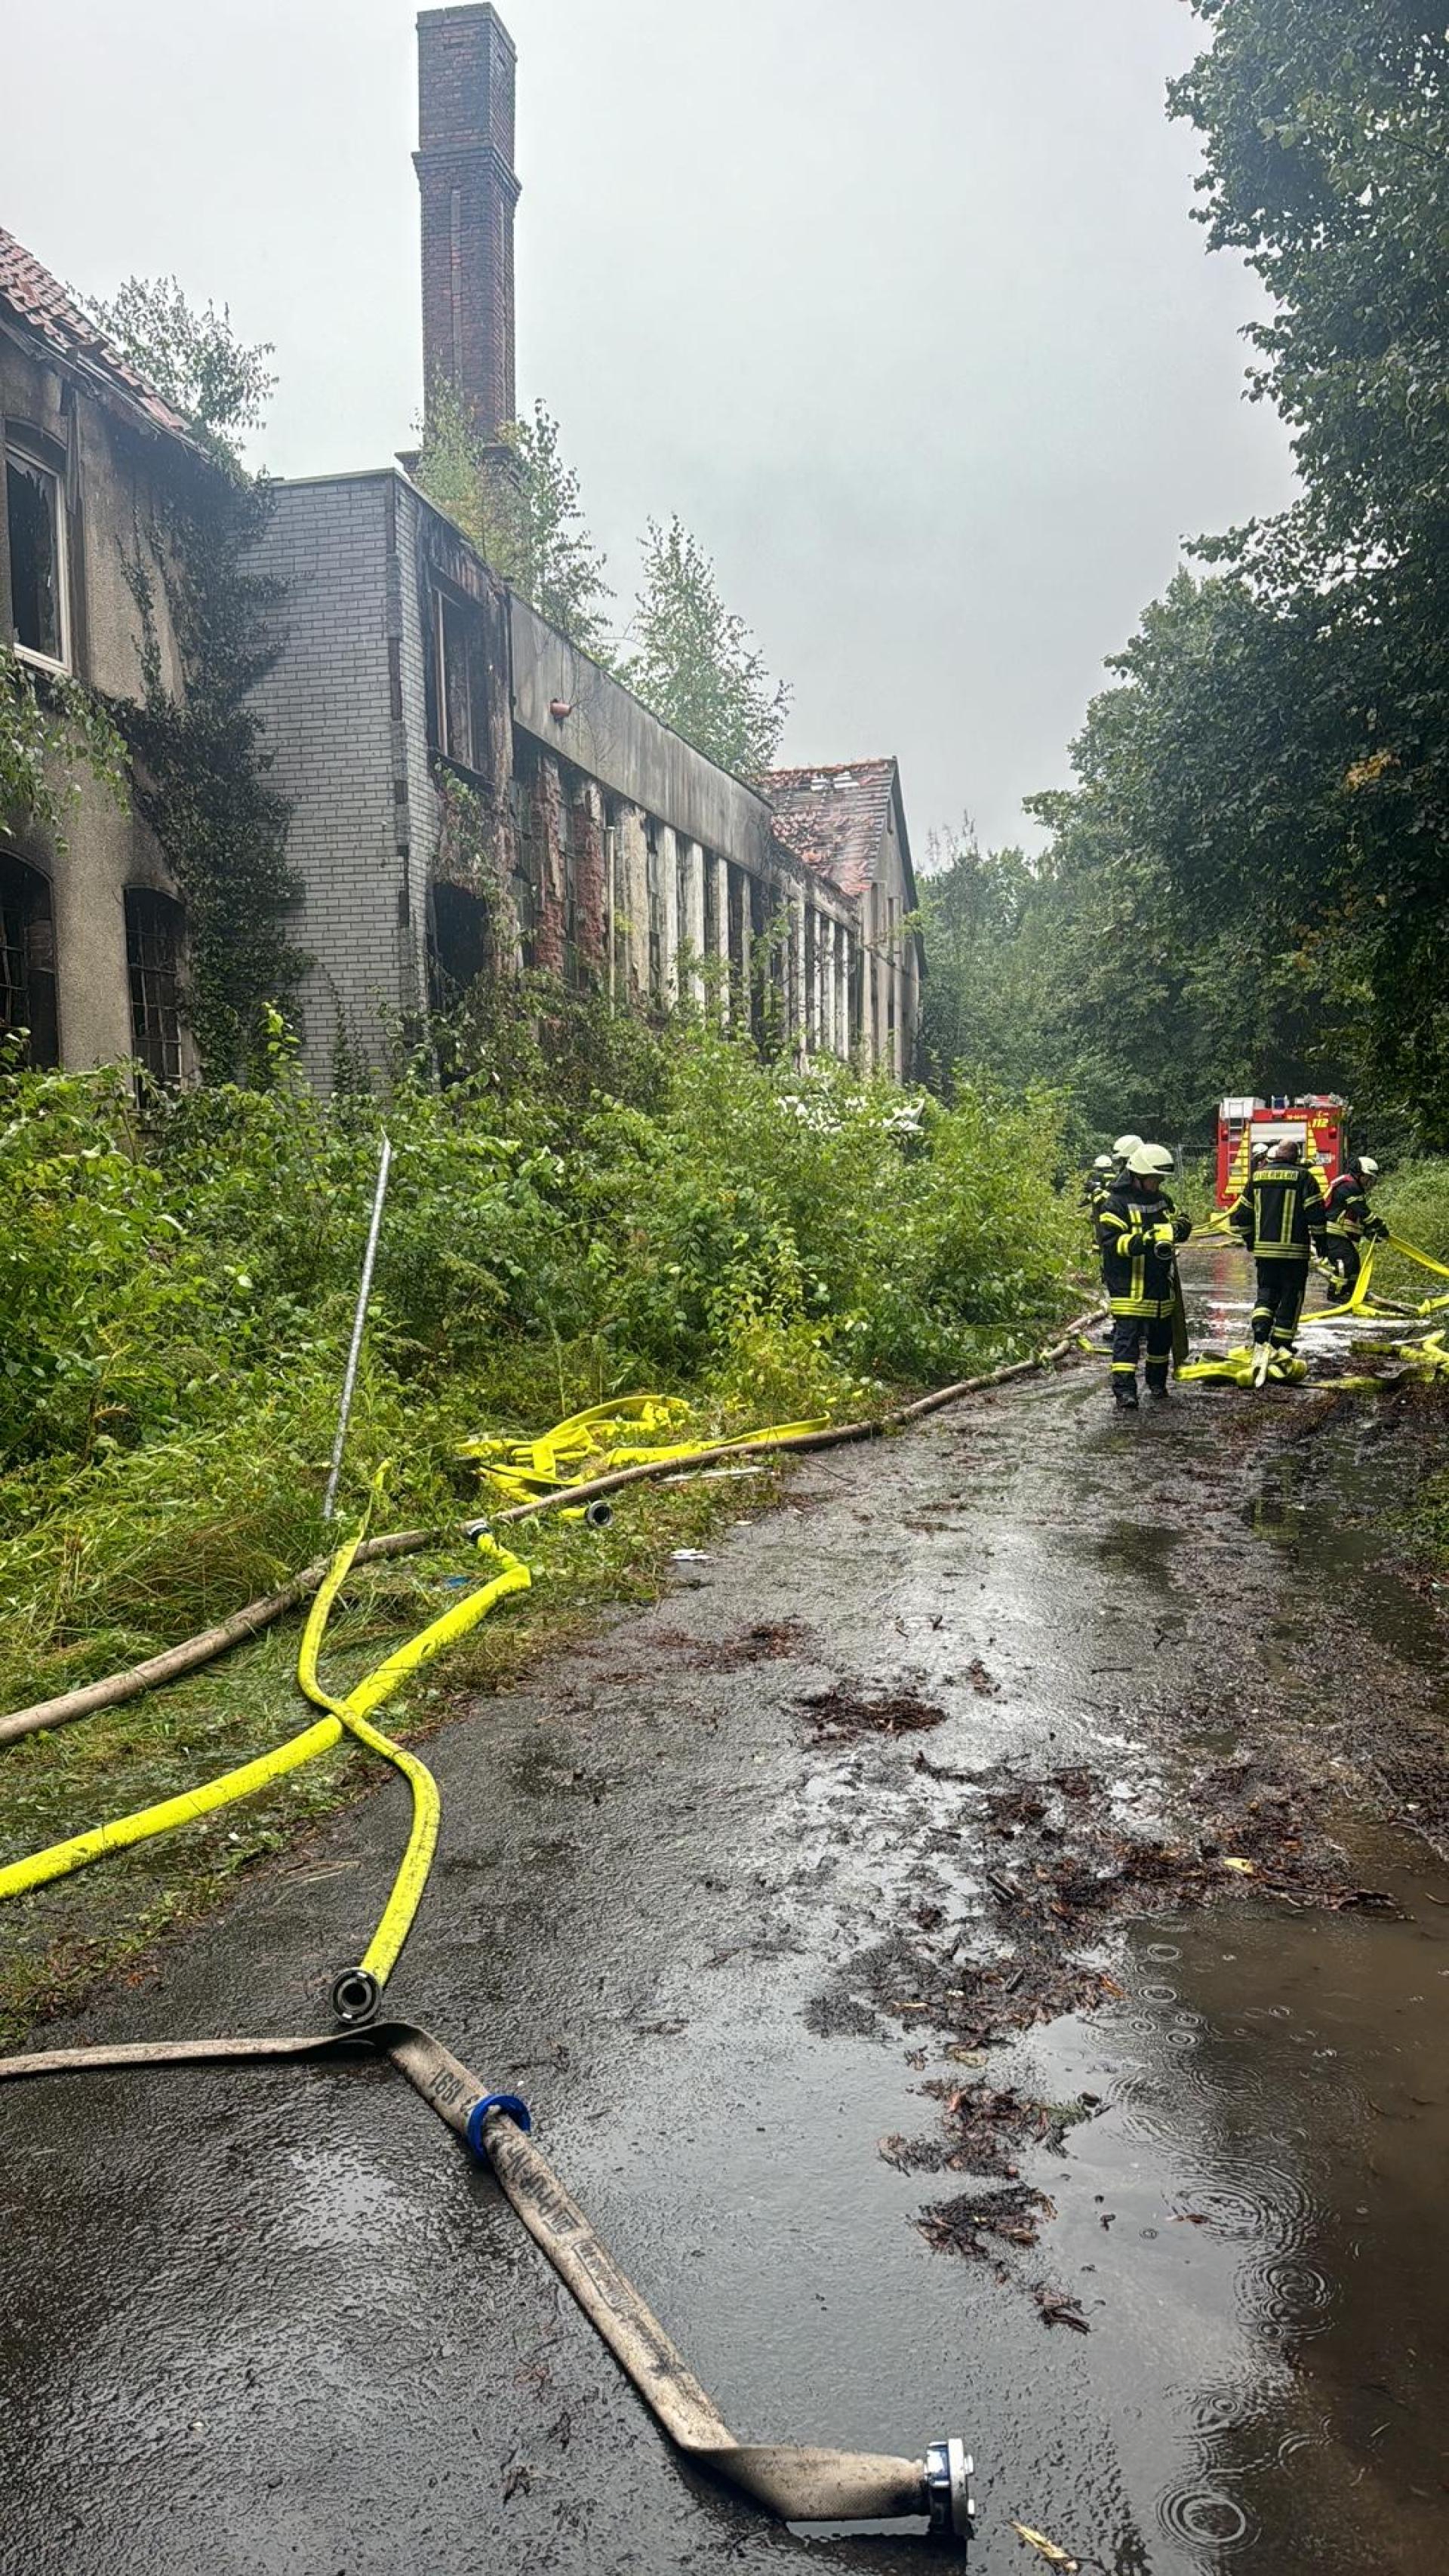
x=833 y=817
x=38 y=299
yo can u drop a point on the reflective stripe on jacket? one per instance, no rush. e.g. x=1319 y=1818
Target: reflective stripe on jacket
x=1280 y=1213
x=1138 y=1233
x=1348 y=1207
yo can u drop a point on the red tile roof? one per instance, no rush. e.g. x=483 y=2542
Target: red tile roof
x=40 y=300
x=834 y=817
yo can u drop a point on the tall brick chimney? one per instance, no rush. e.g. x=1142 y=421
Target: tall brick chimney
x=464 y=162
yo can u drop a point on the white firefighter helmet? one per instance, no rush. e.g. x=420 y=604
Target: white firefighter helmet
x=1367 y=1166
x=1150 y=1161
x=1126 y=1145
x=1104 y=1163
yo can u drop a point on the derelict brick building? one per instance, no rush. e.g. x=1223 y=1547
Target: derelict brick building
x=92 y=930
x=588 y=839
x=471 y=795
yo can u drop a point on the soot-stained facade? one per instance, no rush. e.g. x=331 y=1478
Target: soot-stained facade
x=92 y=931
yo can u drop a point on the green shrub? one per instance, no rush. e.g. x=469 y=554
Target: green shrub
x=588 y=1208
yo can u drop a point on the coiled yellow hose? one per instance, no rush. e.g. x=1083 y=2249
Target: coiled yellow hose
x=349 y=1715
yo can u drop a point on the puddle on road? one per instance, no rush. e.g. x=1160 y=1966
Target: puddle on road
x=1265 y=2183
x=1254 y=2222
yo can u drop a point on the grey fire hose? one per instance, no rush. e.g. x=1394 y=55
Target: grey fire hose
x=796 y=2483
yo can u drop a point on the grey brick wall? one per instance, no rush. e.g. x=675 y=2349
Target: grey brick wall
x=328 y=709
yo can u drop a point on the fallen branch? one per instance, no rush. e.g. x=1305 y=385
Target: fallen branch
x=204 y=1648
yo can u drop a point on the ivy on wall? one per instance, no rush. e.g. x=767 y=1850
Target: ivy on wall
x=48 y=721
x=200 y=770
x=201 y=778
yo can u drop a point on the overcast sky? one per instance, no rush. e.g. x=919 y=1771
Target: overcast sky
x=901 y=308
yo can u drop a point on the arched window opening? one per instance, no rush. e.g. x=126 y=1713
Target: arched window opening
x=27 y=961
x=155 y=941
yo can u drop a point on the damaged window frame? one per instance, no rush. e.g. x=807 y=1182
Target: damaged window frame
x=155 y=980
x=458 y=726
x=29 y=999
x=29 y=453
x=460 y=943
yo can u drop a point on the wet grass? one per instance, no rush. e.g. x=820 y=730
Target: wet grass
x=59 y=1940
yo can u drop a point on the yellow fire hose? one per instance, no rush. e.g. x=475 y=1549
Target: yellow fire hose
x=356 y=1991
x=588 y=1443
x=568 y=1455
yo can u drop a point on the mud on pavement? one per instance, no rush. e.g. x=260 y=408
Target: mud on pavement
x=863 y=1931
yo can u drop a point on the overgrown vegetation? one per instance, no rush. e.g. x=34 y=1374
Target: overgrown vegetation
x=201 y=778
x=689 y=657
x=176 y=1286
x=517 y=501
x=696 y=663
x=48 y=723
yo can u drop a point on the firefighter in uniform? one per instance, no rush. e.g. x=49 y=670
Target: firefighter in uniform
x=1097 y=1183
x=1279 y=1218
x=1351 y=1224
x=1139 y=1230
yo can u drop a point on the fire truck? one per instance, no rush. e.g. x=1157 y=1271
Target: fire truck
x=1317 y=1119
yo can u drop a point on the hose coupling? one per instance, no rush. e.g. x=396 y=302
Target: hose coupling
x=356 y=1995
x=515 y=2107
x=949 y=2501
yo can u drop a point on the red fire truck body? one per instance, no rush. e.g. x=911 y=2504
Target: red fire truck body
x=1319 y=1120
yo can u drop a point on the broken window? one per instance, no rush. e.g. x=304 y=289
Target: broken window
x=155 y=934
x=459 y=947
x=458 y=706
x=27 y=961
x=35 y=513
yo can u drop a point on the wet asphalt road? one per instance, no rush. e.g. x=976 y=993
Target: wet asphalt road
x=277 y=2322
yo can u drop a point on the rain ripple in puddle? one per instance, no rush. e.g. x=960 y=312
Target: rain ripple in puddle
x=1243 y=2188
x=1204 y=2518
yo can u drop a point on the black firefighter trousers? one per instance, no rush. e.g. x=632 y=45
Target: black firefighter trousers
x=1344 y=1252
x=1129 y=1332
x=1279 y=1302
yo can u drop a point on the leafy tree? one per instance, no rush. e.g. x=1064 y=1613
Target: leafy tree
x=1325 y=127
x=518 y=502
x=696 y=663
x=1259 y=823
x=991 y=1004
x=1183 y=968
x=193 y=358
x=1325 y=131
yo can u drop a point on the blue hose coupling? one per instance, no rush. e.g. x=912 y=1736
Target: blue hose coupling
x=516 y=2108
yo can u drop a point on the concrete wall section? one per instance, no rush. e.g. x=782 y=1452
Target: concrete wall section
x=612 y=738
